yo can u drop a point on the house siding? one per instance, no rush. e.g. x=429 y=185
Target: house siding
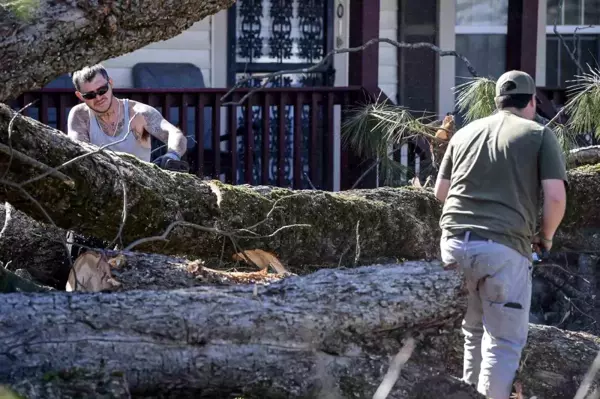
x=388 y=54
x=192 y=46
x=195 y=45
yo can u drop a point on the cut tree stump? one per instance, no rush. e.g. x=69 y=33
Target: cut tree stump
x=392 y=223
x=40 y=40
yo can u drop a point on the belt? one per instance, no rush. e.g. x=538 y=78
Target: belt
x=472 y=236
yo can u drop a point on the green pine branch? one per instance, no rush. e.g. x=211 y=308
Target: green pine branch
x=373 y=130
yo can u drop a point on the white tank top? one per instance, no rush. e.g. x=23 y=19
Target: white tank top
x=130 y=145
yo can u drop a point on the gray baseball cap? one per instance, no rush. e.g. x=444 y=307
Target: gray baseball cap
x=523 y=83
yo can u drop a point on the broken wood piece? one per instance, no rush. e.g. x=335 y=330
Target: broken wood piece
x=262 y=259
x=212 y=276
x=156 y=272
x=91 y=273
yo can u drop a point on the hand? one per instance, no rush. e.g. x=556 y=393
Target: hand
x=540 y=246
x=541 y=242
x=162 y=160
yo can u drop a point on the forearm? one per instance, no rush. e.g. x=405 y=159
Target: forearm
x=159 y=127
x=552 y=215
x=79 y=135
x=177 y=142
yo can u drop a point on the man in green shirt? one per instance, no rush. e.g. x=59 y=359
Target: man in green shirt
x=489 y=181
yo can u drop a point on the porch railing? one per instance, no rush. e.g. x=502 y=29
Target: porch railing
x=237 y=143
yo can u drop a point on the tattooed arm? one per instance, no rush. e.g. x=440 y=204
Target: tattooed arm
x=78 y=124
x=159 y=127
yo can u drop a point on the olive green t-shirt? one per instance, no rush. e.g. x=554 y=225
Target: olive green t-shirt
x=495 y=166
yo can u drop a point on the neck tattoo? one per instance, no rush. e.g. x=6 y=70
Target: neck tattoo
x=109 y=127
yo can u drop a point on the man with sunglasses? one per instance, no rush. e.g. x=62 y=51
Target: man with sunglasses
x=103 y=119
x=490 y=181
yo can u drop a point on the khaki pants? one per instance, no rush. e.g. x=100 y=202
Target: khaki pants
x=496 y=323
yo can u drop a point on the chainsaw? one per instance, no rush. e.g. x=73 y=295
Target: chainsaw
x=172 y=164
x=176 y=166
x=541 y=256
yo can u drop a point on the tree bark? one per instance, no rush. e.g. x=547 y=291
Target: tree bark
x=16 y=282
x=35 y=247
x=292 y=339
x=43 y=39
x=553 y=364
x=72 y=384
x=332 y=332
x=555 y=361
x=87 y=196
x=583 y=156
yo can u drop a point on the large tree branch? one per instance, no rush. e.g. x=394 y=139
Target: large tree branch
x=288 y=339
x=156 y=199
x=40 y=42
x=333 y=331
x=401 y=223
x=266 y=78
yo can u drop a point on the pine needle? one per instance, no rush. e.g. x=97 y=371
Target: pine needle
x=379 y=129
x=566 y=136
x=475 y=98
x=583 y=107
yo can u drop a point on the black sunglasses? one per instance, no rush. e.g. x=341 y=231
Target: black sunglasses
x=90 y=95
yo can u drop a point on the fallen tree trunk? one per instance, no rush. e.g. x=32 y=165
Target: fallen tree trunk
x=87 y=196
x=555 y=362
x=583 y=156
x=40 y=40
x=293 y=338
x=332 y=332
x=360 y=226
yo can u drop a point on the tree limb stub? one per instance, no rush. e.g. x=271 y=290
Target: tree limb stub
x=583 y=156
x=43 y=39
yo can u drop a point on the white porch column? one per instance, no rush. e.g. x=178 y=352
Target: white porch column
x=341 y=39
x=540 y=65
x=446 y=65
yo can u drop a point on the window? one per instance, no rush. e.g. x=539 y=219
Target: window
x=560 y=68
x=481 y=12
x=573 y=12
x=577 y=23
x=481 y=37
